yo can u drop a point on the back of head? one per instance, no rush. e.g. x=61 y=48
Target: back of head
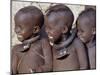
x=89 y=6
x=34 y=12
x=63 y=9
x=90 y=14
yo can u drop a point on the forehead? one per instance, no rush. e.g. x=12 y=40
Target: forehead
x=85 y=22
x=23 y=17
x=56 y=16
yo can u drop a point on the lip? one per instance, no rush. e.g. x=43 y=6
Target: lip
x=82 y=39
x=50 y=37
x=20 y=38
x=51 y=43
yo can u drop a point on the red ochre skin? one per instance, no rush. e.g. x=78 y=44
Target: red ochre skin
x=86 y=24
x=58 y=22
x=38 y=56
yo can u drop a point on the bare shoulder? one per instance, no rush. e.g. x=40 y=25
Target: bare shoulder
x=78 y=43
x=17 y=48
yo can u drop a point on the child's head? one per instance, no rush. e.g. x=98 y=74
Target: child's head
x=86 y=24
x=89 y=6
x=58 y=21
x=28 y=22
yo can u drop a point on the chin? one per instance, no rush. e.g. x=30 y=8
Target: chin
x=21 y=39
x=53 y=39
x=83 y=40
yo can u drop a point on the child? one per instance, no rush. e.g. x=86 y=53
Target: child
x=86 y=24
x=34 y=54
x=89 y=6
x=58 y=23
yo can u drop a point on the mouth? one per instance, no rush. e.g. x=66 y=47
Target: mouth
x=51 y=40
x=82 y=39
x=50 y=37
x=20 y=38
x=51 y=43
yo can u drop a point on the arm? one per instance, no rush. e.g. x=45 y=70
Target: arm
x=14 y=60
x=82 y=55
x=47 y=57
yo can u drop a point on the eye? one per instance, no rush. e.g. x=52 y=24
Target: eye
x=81 y=31
x=34 y=29
x=20 y=26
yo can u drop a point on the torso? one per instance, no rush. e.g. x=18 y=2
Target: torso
x=68 y=63
x=92 y=57
x=30 y=60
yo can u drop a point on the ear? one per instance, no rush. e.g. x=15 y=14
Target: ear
x=65 y=29
x=93 y=31
x=36 y=29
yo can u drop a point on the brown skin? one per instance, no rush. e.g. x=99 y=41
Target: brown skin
x=89 y=6
x=56 y=28
x=30 y=61
x=54 y=23
x=24 y=26
x=86 y=32
x=76 y=60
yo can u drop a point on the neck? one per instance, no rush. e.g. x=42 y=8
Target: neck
x=64 y=37
x=27 y=43
x=31 y=40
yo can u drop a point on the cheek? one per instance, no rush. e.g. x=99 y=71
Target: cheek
x=27 y=33
x=86 y=37
x=81 y=35
x=57 y=33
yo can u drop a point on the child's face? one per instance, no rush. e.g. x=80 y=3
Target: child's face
x=85 y=31
x=55 y=26
x=23 y=26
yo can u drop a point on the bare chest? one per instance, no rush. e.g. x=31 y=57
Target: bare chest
x=31 y=59
x=70 y=62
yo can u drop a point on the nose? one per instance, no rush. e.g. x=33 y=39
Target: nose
x=17 y=30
